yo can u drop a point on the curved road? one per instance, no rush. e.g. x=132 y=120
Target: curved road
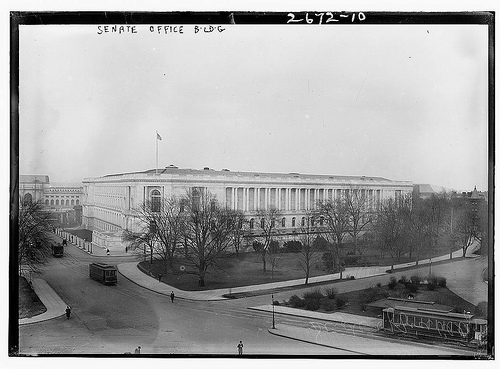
x=117 y=319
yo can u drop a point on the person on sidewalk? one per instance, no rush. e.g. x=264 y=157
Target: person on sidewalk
x=240 y=348
x=68 y=312
x=172 y=296
x=137 y=350
x=107 y=252
x=159 y=277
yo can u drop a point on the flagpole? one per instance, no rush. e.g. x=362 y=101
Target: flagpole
x=156 y=139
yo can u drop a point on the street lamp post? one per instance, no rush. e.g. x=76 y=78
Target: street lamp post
x=430 y=266
x=272 y=298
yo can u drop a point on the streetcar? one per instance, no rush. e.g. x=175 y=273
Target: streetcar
x=57 y=250
x=421 y=322
x=104 y=273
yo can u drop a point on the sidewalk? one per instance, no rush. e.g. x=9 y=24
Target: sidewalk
x=54 y=304
x=341 y=318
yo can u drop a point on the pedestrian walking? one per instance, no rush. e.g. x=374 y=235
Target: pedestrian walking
x=159 y=277
x=172 y=296
x=126 y=249
x=65 y=242
x=137 y=350
x=107 y=252
x=68 y=311
x=240 y=348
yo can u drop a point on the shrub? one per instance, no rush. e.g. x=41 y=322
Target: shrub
x=327 y=260
x=403 y=280
x=372 y=294
x=320 y=243
x=257 y=246
x=316 y=295
x=331 y=293
x=340 y=302
x=431 y=286
x=352 y=278
x=311 y=304
x=292 y=246
x=296 y=301
x=415 y=279
x=392 y=283
x=432 y=279
x=412 y=287
x=329 y=305
x=379 y=284
x=276 y=302
x=441 y=281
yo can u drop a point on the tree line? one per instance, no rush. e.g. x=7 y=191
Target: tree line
x=199 y=230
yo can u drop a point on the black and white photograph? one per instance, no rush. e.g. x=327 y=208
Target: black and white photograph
x=237 y=184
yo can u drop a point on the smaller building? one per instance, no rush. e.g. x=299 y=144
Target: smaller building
x=63 y=201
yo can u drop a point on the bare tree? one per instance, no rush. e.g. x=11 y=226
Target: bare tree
x=162 y=229
x=388 y=230
x=208 y=231
x=308 y=253
x=34 y=235
x=359 y=213
x=274 y=256
x=421 y=227
x=336 y=216
x=466 y=223
x=267 y=224
x=239 y=225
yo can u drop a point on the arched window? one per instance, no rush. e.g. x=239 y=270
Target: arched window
x=72 y=202
x=251 y=223
x=27 y=198
x=77 y=202
x=293 y=222
x=262 y=223
x=52 y=202
x=57 y=202
x=321 y=221
x=303 y=221
x=313 y=222
x=46 y=202
x=67 y=202
x=155 y=201
x=283 y=222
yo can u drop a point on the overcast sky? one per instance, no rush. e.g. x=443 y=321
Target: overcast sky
x=401 y=102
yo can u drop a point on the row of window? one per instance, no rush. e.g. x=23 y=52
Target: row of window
x=303 y=220
x=62 y=203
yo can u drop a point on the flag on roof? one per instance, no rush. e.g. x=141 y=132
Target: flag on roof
x=158 y=137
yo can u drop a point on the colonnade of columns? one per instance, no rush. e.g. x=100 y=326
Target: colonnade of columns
x=288 y=199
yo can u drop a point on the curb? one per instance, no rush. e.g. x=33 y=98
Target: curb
x=166 y=293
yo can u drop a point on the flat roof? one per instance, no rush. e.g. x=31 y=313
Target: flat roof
x=227 y=173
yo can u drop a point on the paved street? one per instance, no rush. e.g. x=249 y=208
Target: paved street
x=116 y=319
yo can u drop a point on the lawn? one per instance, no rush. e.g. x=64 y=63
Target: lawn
x=29 y=303
x=233 y=271
x=246 y=269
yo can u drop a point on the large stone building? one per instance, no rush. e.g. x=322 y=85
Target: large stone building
x=62 y=200
x=109 y=201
